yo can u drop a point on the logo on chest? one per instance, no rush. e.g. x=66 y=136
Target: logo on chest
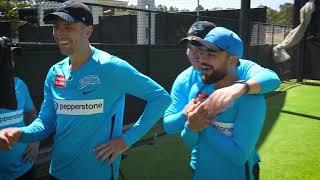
x=201 y=96
x=88 y=80
x=79 y=107
x=59 y=81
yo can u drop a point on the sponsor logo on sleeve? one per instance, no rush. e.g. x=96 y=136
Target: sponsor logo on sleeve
x=11 y=118
x=79 y=107
x=88 y=80
x=59 y=81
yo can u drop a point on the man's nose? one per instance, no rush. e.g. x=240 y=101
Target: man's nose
x=59 y=32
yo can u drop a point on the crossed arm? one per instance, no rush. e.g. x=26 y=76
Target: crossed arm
x=260 y=81
x=247 y=128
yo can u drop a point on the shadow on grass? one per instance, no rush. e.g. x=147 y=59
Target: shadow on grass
x=300 y=114
x=275 y=103
x=310 y=83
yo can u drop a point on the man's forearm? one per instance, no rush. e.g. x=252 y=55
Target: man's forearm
x=173 y=123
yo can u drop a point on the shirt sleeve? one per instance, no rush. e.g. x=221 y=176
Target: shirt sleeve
x=135 y=83
x=267 y=79
x=248 y=124
x=174 y=118
x=189 y=137
x=28 y=105
x=45 y=124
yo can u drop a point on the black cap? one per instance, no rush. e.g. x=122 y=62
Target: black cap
x=71 y=11
x=198 y=29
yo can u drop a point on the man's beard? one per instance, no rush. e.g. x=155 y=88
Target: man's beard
x=212 y=77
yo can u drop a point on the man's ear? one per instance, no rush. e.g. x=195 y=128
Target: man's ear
x=233 y=60
x=89 y=31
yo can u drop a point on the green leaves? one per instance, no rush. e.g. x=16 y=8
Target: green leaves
x=282 y=17
x=9 y=9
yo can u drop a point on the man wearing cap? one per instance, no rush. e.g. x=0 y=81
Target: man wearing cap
x=84 y=102
x=255 y=80
x=225 y=149
x=18 y=163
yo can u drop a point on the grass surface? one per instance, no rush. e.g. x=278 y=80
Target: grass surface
x=292 y=148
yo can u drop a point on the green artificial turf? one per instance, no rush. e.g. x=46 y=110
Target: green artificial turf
x=291 y=150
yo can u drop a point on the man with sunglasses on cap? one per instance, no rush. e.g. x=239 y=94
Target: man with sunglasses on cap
x=254 y=80
x=226 y=147
x=84 y=102
x=18 y=163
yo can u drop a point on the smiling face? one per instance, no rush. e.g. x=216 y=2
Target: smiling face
x=71 y=37
x=214 y=65
x=193 y=55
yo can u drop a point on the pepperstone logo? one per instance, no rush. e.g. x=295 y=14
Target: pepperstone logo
x=55 y=105
x=225 y=128
x=79 y=107
x=11 y=118
x=88 y=80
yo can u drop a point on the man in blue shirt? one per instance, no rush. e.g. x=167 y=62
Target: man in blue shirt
x=84 y=102
x=18 y=163
x=257 y=80
x=225 y=147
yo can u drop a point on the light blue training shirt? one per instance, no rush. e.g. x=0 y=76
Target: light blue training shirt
x=222 y=150
x=79 y=105
x=11 y=162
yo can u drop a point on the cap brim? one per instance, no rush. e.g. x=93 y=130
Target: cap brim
x=49 y=18
x=188 y=39
x=206 y=44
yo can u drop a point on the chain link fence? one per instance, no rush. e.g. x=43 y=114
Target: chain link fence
x=268 y=34
x=115 y=22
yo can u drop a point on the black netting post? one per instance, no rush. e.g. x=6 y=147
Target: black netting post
x=149 y=44
x=244 y=25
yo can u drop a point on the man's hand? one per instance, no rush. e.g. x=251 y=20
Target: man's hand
x=8 y=137
x=31 y=152
x=198 y=118
x=113 y=148
x=222 y=98
x=192 y=105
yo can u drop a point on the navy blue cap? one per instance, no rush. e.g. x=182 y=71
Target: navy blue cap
x=221 y=39
x=71 y=11
x=198 y=29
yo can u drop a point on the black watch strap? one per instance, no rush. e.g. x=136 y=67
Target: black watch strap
x=246 y=85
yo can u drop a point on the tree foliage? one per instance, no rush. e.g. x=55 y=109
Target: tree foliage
x=282 y=17
x=162 y=8
x=9 y=9
x=200 y=8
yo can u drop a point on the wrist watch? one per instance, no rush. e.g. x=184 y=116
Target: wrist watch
x=245 y=84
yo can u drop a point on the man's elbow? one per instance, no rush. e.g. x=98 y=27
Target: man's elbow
x=167 y=127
